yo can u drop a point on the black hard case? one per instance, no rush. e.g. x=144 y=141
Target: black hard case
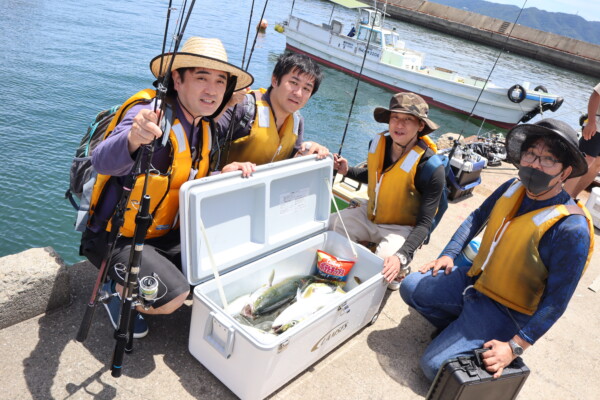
x=463 y=378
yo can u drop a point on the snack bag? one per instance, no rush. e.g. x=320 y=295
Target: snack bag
x=332 y=268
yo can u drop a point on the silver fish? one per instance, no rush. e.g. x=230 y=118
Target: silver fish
x=312 y=299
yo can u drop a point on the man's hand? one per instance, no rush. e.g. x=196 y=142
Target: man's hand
x=391 y=267
x=498 y=357
x=143 y=130
x=590 y=129
x=308 y=148
x=247 y=168
x=340 y=164
x=444 y=262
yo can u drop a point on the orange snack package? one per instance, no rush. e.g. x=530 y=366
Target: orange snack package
x=332 y=268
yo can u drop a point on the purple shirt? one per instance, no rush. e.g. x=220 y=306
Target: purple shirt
x=112 y=157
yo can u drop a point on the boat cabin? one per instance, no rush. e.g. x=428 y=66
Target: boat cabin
x=370 y=21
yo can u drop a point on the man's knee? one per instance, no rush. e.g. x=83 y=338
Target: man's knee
x=408 y=287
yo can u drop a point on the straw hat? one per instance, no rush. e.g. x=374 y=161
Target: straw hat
x=547 y=127
x=407 y=103
x=201 y=52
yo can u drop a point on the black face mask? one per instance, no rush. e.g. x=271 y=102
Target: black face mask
x=535 y=180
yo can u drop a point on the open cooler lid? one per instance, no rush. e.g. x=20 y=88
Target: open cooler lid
x=247 y=218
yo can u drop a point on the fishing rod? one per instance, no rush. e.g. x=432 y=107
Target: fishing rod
x=231 y=127
x=358 y=81
x=143 y=220
x=248 y=33
x=117 y=221
x=487 y=80
x=256 y=36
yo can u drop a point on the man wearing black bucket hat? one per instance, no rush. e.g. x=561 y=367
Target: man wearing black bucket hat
x=201 y=84
x=401 y=207
x=535 y=248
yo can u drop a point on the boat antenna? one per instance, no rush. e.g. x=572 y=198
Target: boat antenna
x=292 y=10
x=358 y=80
x=255 y=37
x=248 y=33
x=490 y=74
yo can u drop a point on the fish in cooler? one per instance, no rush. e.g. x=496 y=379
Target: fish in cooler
x=276 y=296
x=312 y=299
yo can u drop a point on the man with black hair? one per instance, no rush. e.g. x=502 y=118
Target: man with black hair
x=267 y=126
x=536 y=245
x=202 y=83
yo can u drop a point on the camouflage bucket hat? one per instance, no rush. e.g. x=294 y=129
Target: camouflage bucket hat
x=407 y=103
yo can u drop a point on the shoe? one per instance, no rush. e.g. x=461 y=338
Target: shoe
x=113 y=306
x=394 y=285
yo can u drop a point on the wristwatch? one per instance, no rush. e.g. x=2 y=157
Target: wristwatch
x=402 y=258
x=516 y=349
x=404 y=268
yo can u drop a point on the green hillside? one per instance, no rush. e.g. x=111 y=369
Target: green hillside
x=569 y=25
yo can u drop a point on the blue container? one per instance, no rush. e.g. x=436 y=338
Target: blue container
x=467 y=255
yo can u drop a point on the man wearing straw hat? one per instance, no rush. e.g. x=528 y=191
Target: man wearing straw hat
x=201 y=84
x=401 y=207
x=266 y=125
x=535 y=248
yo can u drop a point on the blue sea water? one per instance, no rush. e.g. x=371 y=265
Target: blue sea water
x=65 y=60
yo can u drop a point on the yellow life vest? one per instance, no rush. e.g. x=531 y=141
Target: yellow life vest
x=511 y=269
x=264 y=143
x=163 y=188
x=393 y=197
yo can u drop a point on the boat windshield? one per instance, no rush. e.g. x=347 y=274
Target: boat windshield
x=391 y=39
x=370 y=17
x=363 y=34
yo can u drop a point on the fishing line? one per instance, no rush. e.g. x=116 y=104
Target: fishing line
x=502 y=49
x=248 y=33
x=256 y=35
x=165 y=34
x=162 y=86
x=358 y=79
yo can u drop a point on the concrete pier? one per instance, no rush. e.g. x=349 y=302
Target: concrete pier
x=560 y=51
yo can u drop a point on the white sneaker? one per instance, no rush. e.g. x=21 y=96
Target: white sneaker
x=395 y=284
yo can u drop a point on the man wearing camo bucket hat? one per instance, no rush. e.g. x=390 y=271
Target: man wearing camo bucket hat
x=402 y=203
x=535 y=248
x=201 y=84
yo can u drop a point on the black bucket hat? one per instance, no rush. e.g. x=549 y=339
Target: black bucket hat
x=518 y=134
x=407 y=103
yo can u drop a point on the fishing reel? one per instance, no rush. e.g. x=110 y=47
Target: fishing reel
x=148 y=287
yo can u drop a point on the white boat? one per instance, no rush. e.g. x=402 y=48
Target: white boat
x=391 y=65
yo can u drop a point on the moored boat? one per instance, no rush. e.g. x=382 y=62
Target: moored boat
x=391 y=65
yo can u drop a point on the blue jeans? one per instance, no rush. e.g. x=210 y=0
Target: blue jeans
x=467 y=318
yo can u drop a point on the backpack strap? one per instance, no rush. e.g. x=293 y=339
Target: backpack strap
x=249 y=110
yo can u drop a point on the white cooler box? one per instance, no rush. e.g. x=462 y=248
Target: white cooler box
x=275 y=220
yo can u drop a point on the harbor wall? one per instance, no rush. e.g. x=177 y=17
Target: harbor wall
x=560 y=51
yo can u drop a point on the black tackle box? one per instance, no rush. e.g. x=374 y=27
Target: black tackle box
x=464 y=378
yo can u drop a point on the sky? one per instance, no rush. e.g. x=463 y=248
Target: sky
x=588 y=9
